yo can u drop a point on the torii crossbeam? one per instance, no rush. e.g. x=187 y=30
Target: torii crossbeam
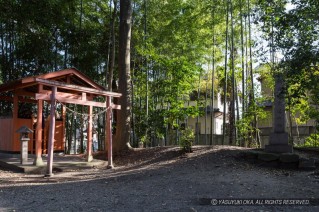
x=54 y=96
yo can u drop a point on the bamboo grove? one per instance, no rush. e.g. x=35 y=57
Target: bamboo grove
x=181 y=50
x=203 y=48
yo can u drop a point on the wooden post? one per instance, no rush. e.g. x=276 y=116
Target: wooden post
x=38 y=135
x=51 y=133
x=63 y=126
x=109 y=132
x=15 y=105
x=89 y=156
x=16 y=139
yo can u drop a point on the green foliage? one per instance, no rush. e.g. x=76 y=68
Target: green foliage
x=303 y=95
x=145 y=140
x=168 y=60
x=173 y=43
x=312 y=140
x=186 y=140
x=246 y=128
x=41 y=36
x=266 y=77
x=293 y=33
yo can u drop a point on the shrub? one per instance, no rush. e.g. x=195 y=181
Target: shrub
x=144 y=141
x=186 y=140
x=312 y=140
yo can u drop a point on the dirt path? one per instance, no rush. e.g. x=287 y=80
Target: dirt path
x=161 y=179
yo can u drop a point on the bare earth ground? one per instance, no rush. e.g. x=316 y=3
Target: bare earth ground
x=161 y=179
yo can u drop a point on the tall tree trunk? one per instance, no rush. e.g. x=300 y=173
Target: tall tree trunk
x=112 y=43
x=197 y=120
x=212 y=111
x=252 y=94
x=238 y=138
x=291 y=138
x=206 y=111
x=3 y=54
x=56 y=49
x=243 y=102
x=65 y=60
x=123 y=124
x=79 y=43
x=147 y=72
x=225 y=76
x=232 y=121
x=108 y=49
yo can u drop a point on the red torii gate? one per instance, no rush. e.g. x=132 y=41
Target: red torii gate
x=64 y=90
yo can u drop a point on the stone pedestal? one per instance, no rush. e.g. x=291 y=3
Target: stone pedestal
x=89 y=158
x=24 y=151
x=278 y=143
x=279 y=148
x=38 y=161
x=278 y=140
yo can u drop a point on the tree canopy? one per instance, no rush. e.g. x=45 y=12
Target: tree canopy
x=177 y=47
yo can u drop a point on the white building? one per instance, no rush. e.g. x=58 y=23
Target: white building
x=202 y=124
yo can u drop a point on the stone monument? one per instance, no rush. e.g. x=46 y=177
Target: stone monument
x=278 y=139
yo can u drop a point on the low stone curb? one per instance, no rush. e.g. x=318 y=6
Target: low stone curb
x=283 y=160
x=58 y=166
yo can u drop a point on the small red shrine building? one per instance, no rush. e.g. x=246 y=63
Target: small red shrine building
x=65 y=86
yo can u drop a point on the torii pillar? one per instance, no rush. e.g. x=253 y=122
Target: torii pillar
x=51 y=133
x=109 y=132
x=38 y=136
x=89 y=156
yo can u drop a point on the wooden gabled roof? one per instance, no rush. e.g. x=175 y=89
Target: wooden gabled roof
x=70 y=76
